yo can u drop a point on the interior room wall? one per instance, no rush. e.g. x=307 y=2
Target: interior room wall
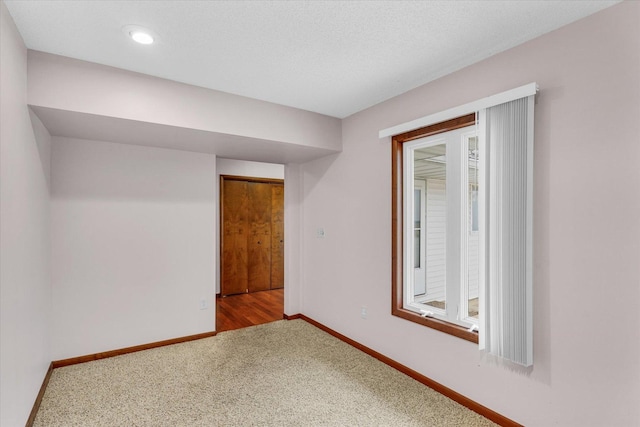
x=241 y=168
x=587 y=236
x=62 y=83
x=293 y=213
x=133 y=238
x=246 y=168
x=25 y=260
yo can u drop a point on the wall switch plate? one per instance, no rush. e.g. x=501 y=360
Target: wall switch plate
x=363 y=312
x=203 y=304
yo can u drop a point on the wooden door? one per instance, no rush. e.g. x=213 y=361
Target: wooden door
x=260 y=236
x=277 y=236
x=252 y=235
x=235 y=231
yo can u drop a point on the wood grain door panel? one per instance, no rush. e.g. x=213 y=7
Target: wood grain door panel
x=277 y=236
x=235 y=226
x=252 y=235
x=260 y=236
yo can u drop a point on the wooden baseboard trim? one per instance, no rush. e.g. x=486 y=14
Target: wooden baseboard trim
x=36 y=404
x=451 y=394
x=119 y=352
x=292 y=316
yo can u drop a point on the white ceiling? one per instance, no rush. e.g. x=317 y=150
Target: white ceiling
x=331 y=57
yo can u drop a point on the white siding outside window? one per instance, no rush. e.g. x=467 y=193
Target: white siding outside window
x=436 y=240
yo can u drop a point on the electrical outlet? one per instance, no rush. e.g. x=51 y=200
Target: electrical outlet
x=203 y=304
x=320 y=233
x=363 y=312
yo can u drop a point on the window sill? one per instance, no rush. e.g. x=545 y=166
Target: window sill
x=440 y=325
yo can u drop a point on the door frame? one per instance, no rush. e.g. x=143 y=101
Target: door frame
x=224 y=178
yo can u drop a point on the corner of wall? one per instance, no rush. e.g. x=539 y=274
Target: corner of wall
x=43 y=142
x=25 y=250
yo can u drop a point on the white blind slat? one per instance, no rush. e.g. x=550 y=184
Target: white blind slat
x=507 y=324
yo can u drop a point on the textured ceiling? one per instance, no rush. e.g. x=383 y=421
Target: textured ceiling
x=331 y=57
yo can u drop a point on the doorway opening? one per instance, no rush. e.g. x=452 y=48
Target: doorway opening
x=251 y=252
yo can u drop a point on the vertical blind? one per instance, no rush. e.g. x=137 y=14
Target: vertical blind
x=506 y=320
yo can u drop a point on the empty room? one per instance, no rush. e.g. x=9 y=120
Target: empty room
x=319 y=213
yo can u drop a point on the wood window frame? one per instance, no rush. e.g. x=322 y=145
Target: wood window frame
x=397 y=228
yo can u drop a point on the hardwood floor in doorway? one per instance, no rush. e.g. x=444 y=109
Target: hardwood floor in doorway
x=256 y=308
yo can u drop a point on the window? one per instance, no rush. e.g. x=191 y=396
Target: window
x=440 y=184
x=462 y=222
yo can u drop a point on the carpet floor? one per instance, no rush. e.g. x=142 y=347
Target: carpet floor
x=285 y=373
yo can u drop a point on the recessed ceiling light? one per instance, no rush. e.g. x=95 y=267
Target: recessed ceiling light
x=140 y=37
x=139 y=34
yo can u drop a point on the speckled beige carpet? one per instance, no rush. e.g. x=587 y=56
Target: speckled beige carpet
x=286 y=373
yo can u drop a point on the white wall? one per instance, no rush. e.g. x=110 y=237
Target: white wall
x=587 y=255
x=293 y=232
x=241 y=168
x=62 y=83
x=25 y=262
x=245 y=168
x=133 y=236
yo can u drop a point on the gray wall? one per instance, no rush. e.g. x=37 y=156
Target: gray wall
x=133 y=245
x=587 y=234
x=25 y=262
